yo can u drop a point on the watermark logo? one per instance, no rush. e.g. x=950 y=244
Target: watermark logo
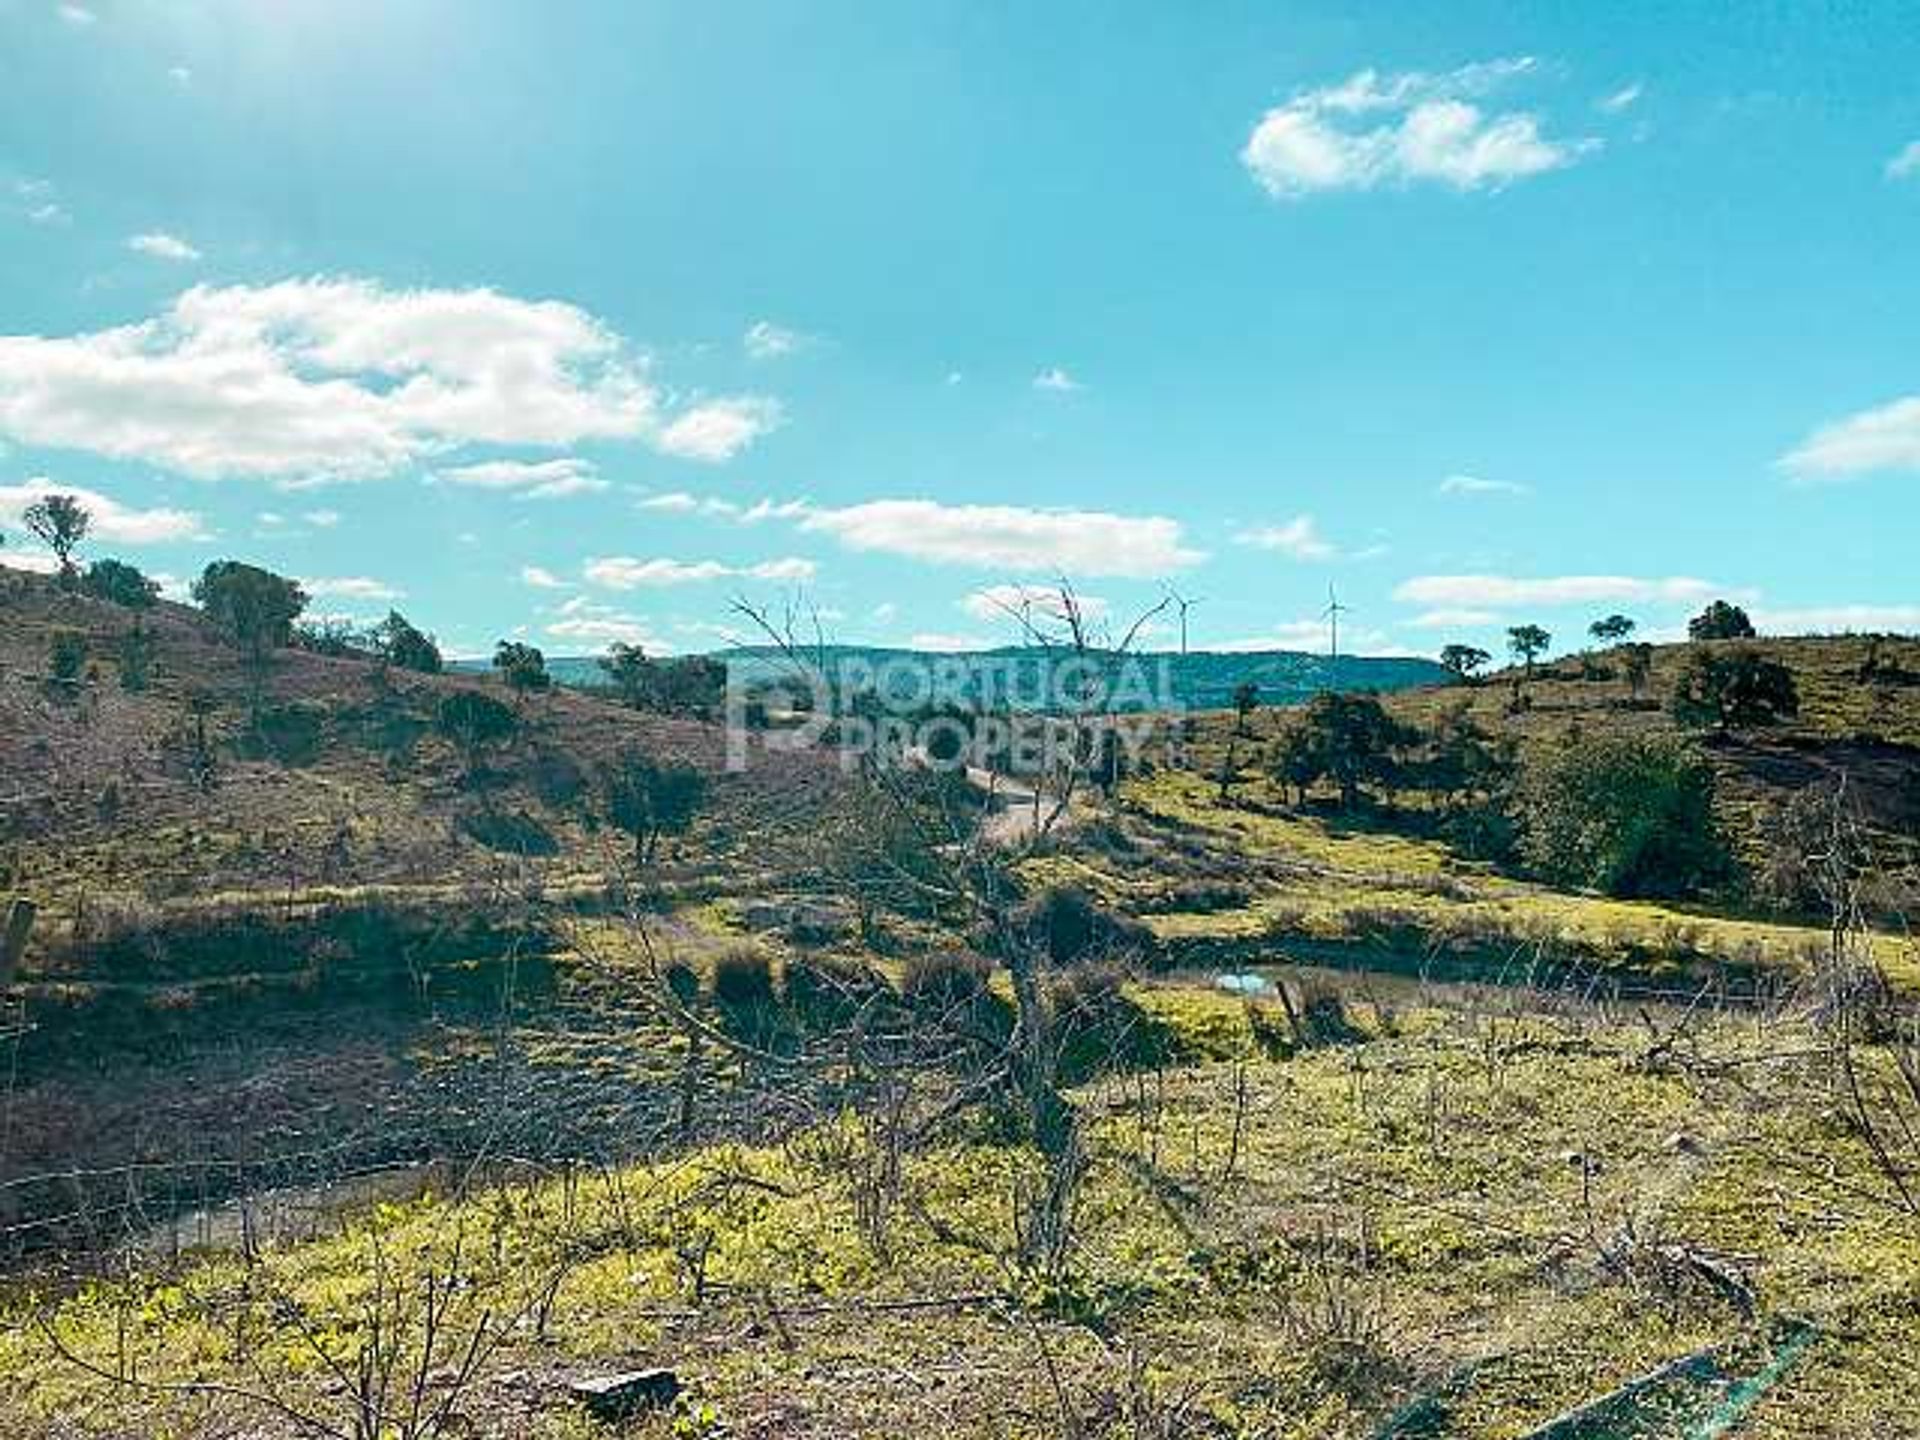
x=1021 y=712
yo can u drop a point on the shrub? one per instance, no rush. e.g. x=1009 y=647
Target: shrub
x=119 y=583
x=1735 y=687
x=1721 y=621
x=1628 y=815
x=743 y=981
x=66 y=656
x=944 y=982
x=136 y=647
x=826 y=992
x=1071 y=927
x=290 y=733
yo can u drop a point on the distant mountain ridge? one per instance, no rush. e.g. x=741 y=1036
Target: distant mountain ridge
x=1198 y=680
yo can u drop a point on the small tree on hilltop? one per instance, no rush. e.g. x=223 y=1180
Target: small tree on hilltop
x=401 y=644
x=1528 y=643
x=523 y=667
x=119 y=583
x=474 y=722
x=60 y=522
x=254 y=609
x=629 y=671
x=1733 y=688
x=1464 y=660
x=1612 y=630
x=647 y=799
x=1721 y=621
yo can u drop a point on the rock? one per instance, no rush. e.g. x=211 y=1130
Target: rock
x=1681 y=1143
x=619 y=1397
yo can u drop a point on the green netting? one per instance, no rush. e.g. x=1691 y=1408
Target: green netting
x=1700 y=1396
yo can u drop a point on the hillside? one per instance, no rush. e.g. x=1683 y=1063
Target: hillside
x=1198 y=680
x=108 y=813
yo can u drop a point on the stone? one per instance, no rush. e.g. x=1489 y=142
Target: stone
x=620 y=1397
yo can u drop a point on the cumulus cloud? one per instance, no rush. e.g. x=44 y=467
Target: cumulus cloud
x=540 y=578
x=1840 y=620
x=1010 y=537
x=1378 y=130
x=589 y=622
x=1455 y=619
x=1039 y=603
x=528 y=479
x=1056 y=378
x=161 y=246
x=1479 y=485
x=720 y=429
x=111 y=520
x=1298 y=539
x=322 y=379
x=1885 y=438
x=350 y=587
x=946 y=642
x=624 y=572
x=78 y=16
x=1906 y=163
x=1502 y=592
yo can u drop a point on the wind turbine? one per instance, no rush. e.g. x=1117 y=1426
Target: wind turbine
x=1333 y=612
x=1185 y=603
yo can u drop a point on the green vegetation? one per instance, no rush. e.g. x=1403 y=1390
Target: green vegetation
x=119 y=583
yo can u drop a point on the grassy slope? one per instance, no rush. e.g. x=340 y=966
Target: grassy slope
x=1377 y=1216
x=1317 y=876
x=94 y=819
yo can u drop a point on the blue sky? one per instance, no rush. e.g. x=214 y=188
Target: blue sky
x=573 y=322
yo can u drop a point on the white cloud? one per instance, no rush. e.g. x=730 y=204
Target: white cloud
x=1885 y=438
x=1010 y=537
x=1840 y=619
x=1039 y=603
x=326 y=379
x=77 y=15
x=1375 y=130
x=720 y=429
x=50 y=213
x=1624 y=98
x=624 y=572
x=350 y=587
x=528 y=479
x=180 y=75
x=1298 y=539
x=321 y=519
x=1906 y=163
x=1478 y=485
x=765 y=340
x=1055 y=378
x=678 y=502
x=1311 y=635
x=946 y=642
x=587 y=621
x=1456 y=619
x=161 y=246
x=541 y=579
x=1501 y=592
x=111 y=521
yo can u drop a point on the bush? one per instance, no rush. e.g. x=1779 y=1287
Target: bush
x=948 y=981
x=743 y=981
x=291 y=733
x=1735 y=687
x=1071 y=927
x=1627 y=815
x=826 y=992
x=67 y=656
x=119 y=583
